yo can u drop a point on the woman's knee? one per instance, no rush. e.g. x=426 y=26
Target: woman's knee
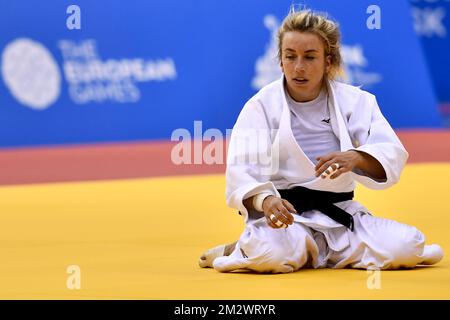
x=406 y=251
x=275 y=250
x=393 y=244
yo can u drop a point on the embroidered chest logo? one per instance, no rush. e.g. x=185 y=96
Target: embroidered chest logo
x=326 y=120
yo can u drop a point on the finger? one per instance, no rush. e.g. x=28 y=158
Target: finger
x=278 y=220
x=285 y=216
x=338 y=173
x=323 y=159
x=289 y=206
x=324 y=167
x=330 y=170
x=280 y=215
x=288 y=214
x=320 y=161
x=270 y=223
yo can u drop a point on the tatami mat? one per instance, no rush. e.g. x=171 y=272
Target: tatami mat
x=141 y=238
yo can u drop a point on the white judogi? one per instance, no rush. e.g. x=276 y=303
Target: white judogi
x=311 y=127
x=263 y=156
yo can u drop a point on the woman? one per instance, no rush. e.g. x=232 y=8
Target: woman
x=320 y=137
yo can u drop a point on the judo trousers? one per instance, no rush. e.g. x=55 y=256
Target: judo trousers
x=375 y=244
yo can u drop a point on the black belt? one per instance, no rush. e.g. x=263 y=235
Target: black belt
x=304 y=199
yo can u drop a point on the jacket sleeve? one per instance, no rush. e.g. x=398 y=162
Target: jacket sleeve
x=249 y=157
x=371 y=133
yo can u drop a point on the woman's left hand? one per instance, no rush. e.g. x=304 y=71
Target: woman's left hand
x=337 y=163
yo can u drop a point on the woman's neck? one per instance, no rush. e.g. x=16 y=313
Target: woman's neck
x=309 y=96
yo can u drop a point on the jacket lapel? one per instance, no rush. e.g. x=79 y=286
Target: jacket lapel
x=287 y=138
x=289 y=142
x=338 y=123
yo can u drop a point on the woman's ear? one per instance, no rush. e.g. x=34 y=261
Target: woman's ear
x=327 y=63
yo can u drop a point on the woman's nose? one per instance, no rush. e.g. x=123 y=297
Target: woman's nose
x=299 y=65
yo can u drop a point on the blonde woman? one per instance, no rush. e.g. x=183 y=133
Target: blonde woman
x=321 y=137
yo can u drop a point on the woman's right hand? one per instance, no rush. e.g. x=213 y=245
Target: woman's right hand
x=280 y=208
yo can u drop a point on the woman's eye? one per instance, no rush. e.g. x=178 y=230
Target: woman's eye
x=310 y=58
x=290 y=57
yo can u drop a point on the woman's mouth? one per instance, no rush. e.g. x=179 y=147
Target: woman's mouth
x=300 y=80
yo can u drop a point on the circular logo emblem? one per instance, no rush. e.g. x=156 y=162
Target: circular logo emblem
x=31 y=73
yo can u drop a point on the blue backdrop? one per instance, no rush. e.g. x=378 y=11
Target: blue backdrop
x=432 y=25
x=137 y=70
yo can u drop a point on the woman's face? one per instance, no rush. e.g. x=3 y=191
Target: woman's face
x=304 y=64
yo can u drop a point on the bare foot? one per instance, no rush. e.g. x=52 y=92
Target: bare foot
x=432 y=254
x=207 y=258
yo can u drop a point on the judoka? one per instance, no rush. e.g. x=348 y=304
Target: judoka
x=295 y=154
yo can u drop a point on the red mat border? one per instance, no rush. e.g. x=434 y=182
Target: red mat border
x=153 y=159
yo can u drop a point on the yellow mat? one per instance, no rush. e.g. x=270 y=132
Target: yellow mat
x=140 y=239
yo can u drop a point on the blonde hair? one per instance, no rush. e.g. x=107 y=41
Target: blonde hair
x=321 y=25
